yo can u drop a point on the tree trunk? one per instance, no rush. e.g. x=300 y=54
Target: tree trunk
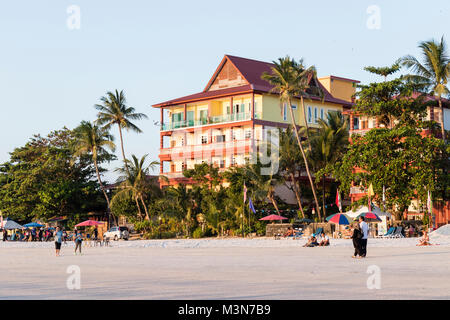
x=441 y=119
x=304 y=158
x=108 y=209
x=123 y=150
x=145 y=208
x=323 y=197
x=139 y=208
x=306 y=122
x=271 y=198
x=297 y=194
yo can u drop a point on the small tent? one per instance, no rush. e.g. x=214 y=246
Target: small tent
x=362 y=209
x=10 y=224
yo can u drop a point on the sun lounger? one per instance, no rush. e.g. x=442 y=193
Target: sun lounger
x=388 y=233
x=398 y=233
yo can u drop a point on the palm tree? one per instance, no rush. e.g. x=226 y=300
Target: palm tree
x=433 y=74
x=134 y=181
x=329 y=144
x=114 y=111
x=95 y=141
x=285 y=79
x=290 y=163
x=182 y=197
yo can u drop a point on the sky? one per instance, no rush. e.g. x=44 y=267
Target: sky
x=58 y=57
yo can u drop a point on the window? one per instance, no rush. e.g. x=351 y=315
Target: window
x=294 y=107
x=222 y=163
x=242 y=109
x=204 y=139
x=355 y=123
x=309 y=114
x=322 y=114
x=203 y=116
x=315 y=115
x=285 y=112
x=248 y=134
x=220 y=138
x=228 y=110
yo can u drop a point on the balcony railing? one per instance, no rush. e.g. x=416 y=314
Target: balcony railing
x=211 y=120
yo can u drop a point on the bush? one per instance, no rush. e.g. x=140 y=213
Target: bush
x=158 y=235
x=198 y=233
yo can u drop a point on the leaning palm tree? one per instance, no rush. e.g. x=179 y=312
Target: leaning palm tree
x=134 y=182
x=433 y=73
x=94 y=141
x=291 y=164
x=114 y=111
x=285 y=79
x=329 y=145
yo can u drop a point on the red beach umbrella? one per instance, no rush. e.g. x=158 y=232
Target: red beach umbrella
x=89 y=223
x=369 y=216
x=273 y=217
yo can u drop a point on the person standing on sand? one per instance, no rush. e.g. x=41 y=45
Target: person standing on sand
x=356 y=237
x=78 y=241
x=365 y=234
x=58 y=240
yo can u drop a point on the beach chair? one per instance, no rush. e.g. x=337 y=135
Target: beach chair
x=388 y=233
x=398 y=233
x=319 y=231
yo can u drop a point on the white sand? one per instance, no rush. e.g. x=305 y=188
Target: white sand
x=227 y=269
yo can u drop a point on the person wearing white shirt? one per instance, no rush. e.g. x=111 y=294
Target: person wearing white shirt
x=365 y=234
x=324 y=240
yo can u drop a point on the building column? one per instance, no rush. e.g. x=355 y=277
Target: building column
x=185 y=111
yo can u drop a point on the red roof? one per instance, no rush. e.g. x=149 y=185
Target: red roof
x=251 y=70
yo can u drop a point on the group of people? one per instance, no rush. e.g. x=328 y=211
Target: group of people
x=77 y=238
x=321 y=241
x=27 y=234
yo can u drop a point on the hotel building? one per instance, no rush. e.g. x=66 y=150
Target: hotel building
x=224 y=123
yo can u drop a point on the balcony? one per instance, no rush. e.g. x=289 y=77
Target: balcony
x=168 y=126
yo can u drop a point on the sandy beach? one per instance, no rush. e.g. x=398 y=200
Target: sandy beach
x=226 y=269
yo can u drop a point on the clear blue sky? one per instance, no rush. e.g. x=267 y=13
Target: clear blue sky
x=51 y=76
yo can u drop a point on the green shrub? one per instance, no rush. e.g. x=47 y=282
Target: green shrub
x=198 y=233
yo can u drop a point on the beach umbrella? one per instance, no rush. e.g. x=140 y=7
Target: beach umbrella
x=89 y=223
x=369 y=217
x=33 y=225
x=273 y=217
x=339 y=218
x=10 y=224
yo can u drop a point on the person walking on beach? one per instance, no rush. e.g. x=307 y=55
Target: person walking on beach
x=78 y=241
x=58 y=240
x=356 y=237
x=365 y=234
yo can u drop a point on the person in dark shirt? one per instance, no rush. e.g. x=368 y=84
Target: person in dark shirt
x=356 y=237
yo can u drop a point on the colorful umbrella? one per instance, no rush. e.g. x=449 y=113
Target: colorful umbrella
x=369 y=217
x=33 y=225
x=89 y=223
x=339 y=218
x=273 y=217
